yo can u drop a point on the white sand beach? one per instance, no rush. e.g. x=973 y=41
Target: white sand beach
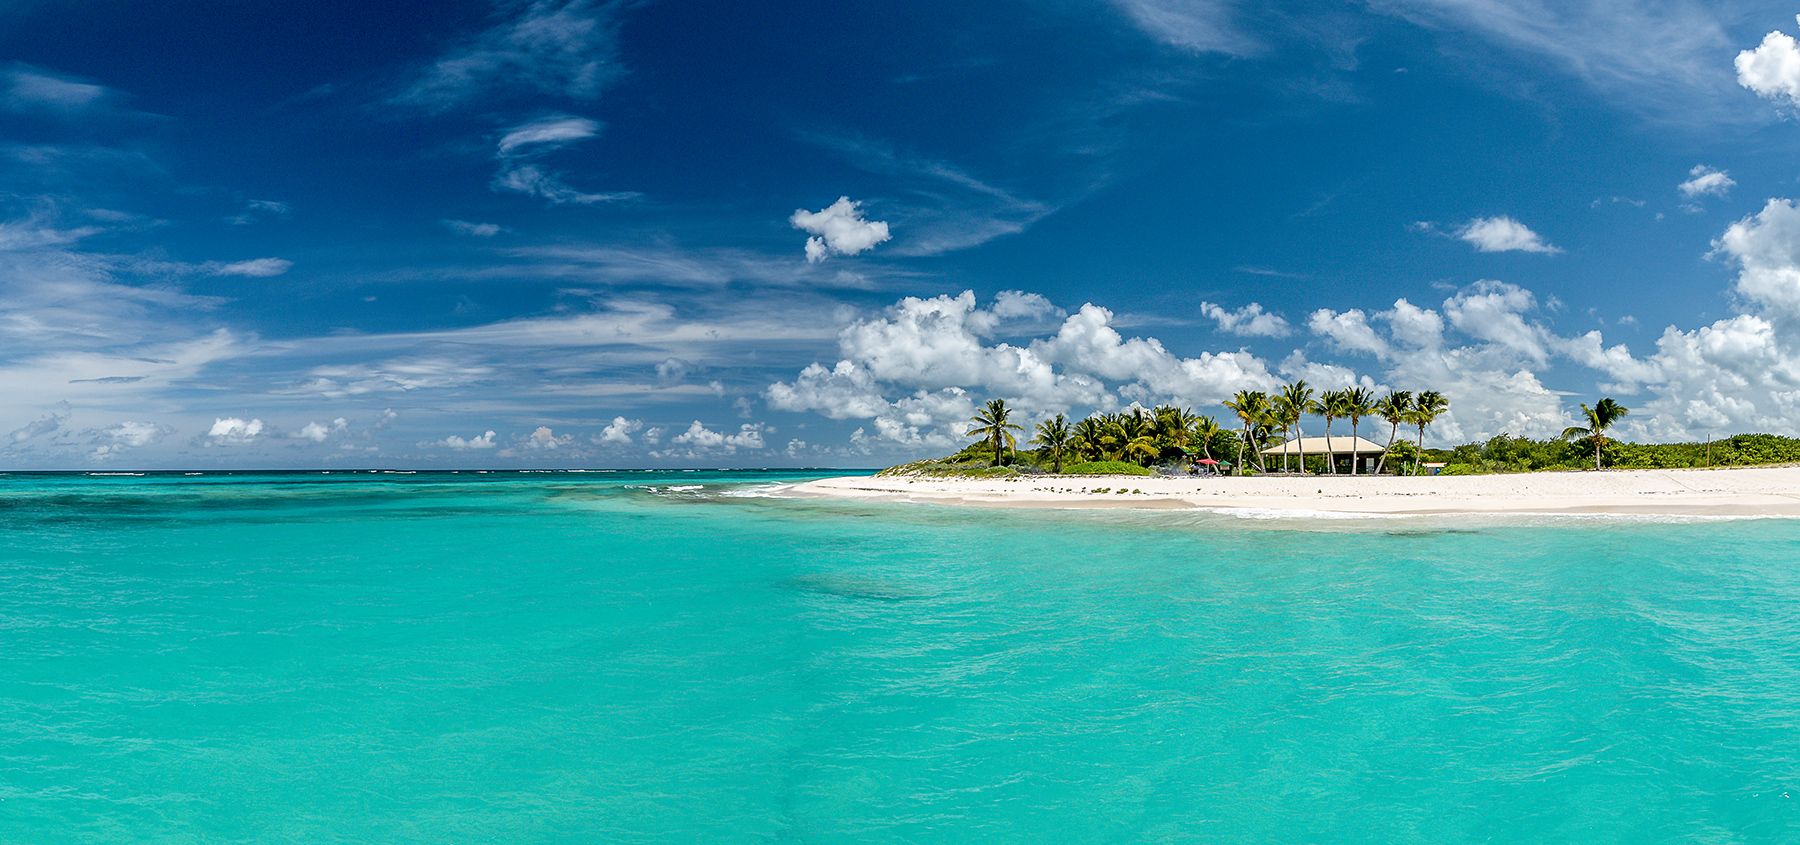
x=1761 y=491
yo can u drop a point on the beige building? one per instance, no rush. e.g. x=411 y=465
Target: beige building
x=1343 y=447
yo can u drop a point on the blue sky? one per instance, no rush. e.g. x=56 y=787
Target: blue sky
x=629 y=234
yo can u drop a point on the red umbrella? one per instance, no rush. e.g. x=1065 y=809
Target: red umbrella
x=1206 y=462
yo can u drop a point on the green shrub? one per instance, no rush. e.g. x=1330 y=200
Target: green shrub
x=1104 y=468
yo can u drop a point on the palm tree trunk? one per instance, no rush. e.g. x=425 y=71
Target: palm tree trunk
x=1598 y=442
x=1353 y=438
x=1421 y=456
x=1284 y=451
x=1330 y=452
x=1393 y=431
x=1300 y=446
x=1241 y=442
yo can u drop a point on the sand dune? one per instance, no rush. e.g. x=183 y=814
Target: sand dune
x=1762 y=491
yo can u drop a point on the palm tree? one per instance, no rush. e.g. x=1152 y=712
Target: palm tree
x=1425 y=409
x=1331 y=406
x=1393 y=408
x=1053 y=434
x=1089 y=439
x=1205 y=429
x=1359 y=402
x=1252 y=408
x=1600 y=418
x=1172 y=426
x=994 y=424
x=1298 y=398
x=1285 y=415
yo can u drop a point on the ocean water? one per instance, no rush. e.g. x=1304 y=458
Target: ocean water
x=668 y=657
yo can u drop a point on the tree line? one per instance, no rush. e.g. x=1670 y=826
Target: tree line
x=1171 y=434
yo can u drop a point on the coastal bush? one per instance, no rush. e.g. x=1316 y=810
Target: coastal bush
x=1105 y=468
x=948 y=469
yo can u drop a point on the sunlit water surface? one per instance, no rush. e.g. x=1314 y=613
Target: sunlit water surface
x=661 y=657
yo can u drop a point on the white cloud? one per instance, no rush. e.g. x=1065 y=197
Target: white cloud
x=473 y=230
x=257 y=210
x=543 y=439
x=1704 y=181
x=485 y=441
x=37 y=230
x=564 y=48
x=553 y=131
x=130 y=434
x=320 y=432
x=1766 y=248
x=701 y=438
x=838 y=229
x=24 y=88
x=844 y=391
x=619 y=431
x=234 y=430
x=1250 y=320
x=1772 y=68
x=520 y=173
x=49 y=423
x=1503 y=234
x=255 y=268
x=1201 y=26
x=1350 y=330
x=1662 y=58
x=1495 y=312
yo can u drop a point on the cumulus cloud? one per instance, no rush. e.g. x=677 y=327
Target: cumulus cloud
x=1495 y=312
x=1772 y=68
x=545 y=440
x=838 y=229
x=234 y=431
x=320 y=432
x=129 y=434
x=700 y=438
x=1503 y=234
x=1766 y=248
x=911 y=371
x=49 y=423
x=485 y=441
x=1705 y=181
x=1349 y=330
x=1250 y=320
x=619 y=431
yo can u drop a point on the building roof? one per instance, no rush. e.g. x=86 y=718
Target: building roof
x=1341 y=444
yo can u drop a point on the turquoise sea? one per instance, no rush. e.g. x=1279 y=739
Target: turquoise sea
x=668 y=657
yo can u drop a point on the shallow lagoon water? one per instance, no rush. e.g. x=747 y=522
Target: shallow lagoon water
x=629 y=657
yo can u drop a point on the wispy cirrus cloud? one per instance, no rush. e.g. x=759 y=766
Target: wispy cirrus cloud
x=522 y=148
x=947 y=208
x=1664 y=59
x=566 y=48
x=24 y=88
x=1200 y=26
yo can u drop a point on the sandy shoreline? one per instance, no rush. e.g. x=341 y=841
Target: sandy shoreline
x=1752 y=492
